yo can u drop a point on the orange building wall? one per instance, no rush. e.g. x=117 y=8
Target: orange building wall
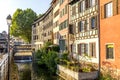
x=64 y=31
x=110 y=33
x=62 y=6
x=63 y=18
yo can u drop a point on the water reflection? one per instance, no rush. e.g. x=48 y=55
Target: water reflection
x=44 y=74
x=26 y=72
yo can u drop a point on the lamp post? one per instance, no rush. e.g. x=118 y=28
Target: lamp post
x=9 y=20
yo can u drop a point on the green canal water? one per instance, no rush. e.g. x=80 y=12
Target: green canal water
x=26 y=72
x=45 y=75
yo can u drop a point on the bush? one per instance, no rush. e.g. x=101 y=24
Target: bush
x=48 y=57
x=65 y=56
x=50 y=61
x=39 y=57
x=55 y=48
x=106 y=77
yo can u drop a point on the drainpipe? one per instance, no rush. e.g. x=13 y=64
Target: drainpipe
x=99 y=65
x=68 y=28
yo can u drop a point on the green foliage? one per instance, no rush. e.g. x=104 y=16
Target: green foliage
x=45 y=48
x=50 y=61
x=65 y=56
x=86 y=69
x=106 y=76
x=47 y=44
x=39 y=55
x=108 y=73
x=56 y=48
x=47 y=57
x=22 y=23
x=26 y=73
x=39 y=15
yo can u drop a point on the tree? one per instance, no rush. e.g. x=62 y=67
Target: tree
x=39 y=15
x=22 y=24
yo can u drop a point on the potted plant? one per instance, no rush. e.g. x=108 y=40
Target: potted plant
x=81 y=69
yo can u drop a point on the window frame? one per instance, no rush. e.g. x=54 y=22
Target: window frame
x=91 y=53
x=95 y=23
x=109 y=13
x=82 y=49
x=82 y=6
x=113 y=55
x=93 y=3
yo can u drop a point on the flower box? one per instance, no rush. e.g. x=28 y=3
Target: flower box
x=71 y=75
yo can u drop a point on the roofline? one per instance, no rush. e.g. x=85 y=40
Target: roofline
x=39 y=18
x=52 y=1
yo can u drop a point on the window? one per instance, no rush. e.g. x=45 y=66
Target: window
x=63 y=25
x=73 y=48
x=92 y=49
x=60 y=14
x=66 y=9
x=87 y=4
x=61 y=1
x=55 y=24
x=109 y=51
x=82 y=26
x=81 y=6
x=108 y=9
x=82 y=49
x=55 y=35
x=73 y=10
x=93 y=22
x=92 y=3
x=56 y=13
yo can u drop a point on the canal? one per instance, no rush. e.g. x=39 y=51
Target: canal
x=26 y=72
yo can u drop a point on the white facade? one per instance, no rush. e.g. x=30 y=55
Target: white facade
x=3 y=66
x=56 y=28
x=85 y=21
x=87 y=41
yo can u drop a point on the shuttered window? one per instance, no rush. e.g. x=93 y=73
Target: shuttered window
x=66 y=9
x=118 y=6
x=87 y=4
x=115 y=11
x=108 y=9
x=92 y=50
x=81 y=6
x=94 y=22
x=83 y=49
x=92 y=2
x=81 y=26
x=73 y=10
x=79 y=49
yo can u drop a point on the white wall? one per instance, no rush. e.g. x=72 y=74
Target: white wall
x=95 y=60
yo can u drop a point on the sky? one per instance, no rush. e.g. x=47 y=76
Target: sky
x=9 y=7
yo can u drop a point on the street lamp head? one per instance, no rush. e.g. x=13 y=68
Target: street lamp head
x=9 y=19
